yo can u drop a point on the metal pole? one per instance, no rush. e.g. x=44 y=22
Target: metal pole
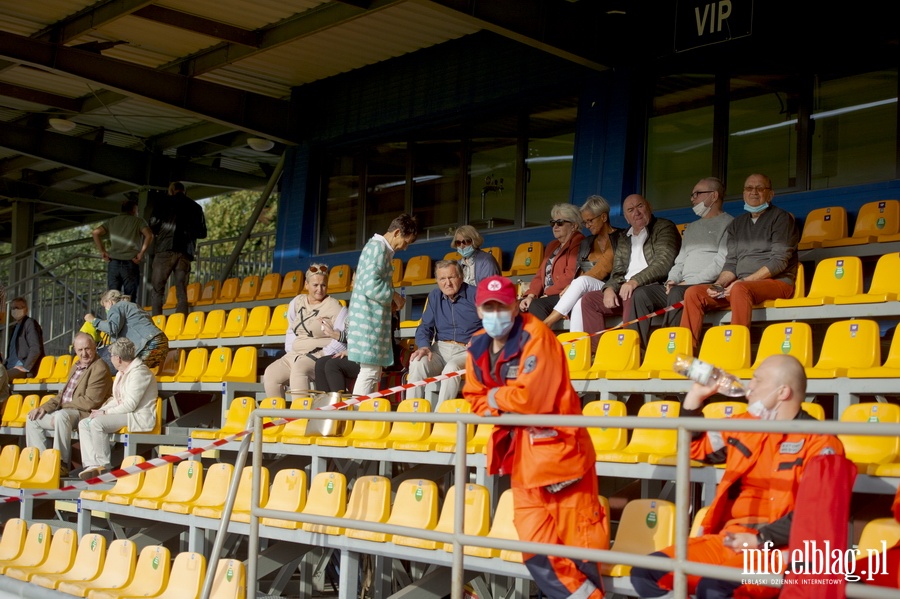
x=682 y=498
x=461 y=478
x=255 y=493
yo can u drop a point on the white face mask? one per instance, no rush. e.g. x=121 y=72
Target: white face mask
x=701 y=209
x=18 y=313
x=759 y=410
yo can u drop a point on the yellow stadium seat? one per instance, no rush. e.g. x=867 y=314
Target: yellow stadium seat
x=847 y=344
x=865 y=450
x=681 y=228
x=792 y=338
x=502 y=527
x=799 y=288
x=724 y=409
x=697 y=522
x=193 y=291
x=443 y=434
x=9 y=455
x=366 y=429
x=194 y=366
x=156 y=484
x=876 y=535
x=834 y=277
x=243 y=366
x=454 y=255
x=288 y=494
x=883 y=287
x=230 y=580
x=183 y=488
x=417 y=272
x=397 y=272
x=875 y=219
x=479 y=441
x=662 y=348
x=616 y=351
x=415 y=506
x=26 y=465
x=228 y=291
x=118 y=570
x=241 y=510
x=171 y=299
x=236 y=420
x=726 y=346
x=402 y=432
x=89 y=558
x=13 y=538
x=294 y=432
x=11 y=409
x=291 y=284
x=193 y=325
x=159 y=321
x=577 y=348
x=59 y=558
x=890 y=368
x=186 y=577
x=34 y=549
x=171 y=366
x=213 y=493
x=648 y=445
x=526 y=259
x=46 y=475
x=29 y=402
x=209 y=293
x=813 y=409
x=821 y=225
x=340 y=279
x=125 y=486
x=257 y=322
x=279 y=323
x=174 y=325
x=213 y=324
x=607 y=439
x=327 y=497
x=248 y=289
x=44 y=371
x=497 y=253
x=646 y=525
x=151 y=575
x=476 y=514
x=157 y=427
x=269 y=286
x=217 y=366
x=235 y=323
x=271 y=403
x=370 y=501
x=61 y=369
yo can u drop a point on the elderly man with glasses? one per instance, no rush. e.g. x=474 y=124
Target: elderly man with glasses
x=761 y=263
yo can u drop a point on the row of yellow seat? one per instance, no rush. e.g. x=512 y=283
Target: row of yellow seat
x=87 y=568
x=16 y=408
x=238 y=322
x=850 y=348
x=876 y=222
x=33 y=468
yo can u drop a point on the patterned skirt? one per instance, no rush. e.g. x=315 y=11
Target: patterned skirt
x=154 y=353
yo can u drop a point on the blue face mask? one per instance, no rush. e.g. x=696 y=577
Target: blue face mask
x=497 y=324
x=466 y=250
x=755 y=209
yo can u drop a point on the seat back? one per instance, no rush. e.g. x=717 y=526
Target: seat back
x=851 y=344
x=151 y=574
x=193 y=291
x=171 y=366
x=238 y=416
x=217 y=365
x=271 y=403
x=497 y=253
x=44 y=371
x=865 y=449
x=171 y=299
x=157 y=483
x=248 y=289
x=61 y=553
x=187 y=482
x=279 y=323
x=288 y=493
x=371 y=429
x=296 y=427
x=118 y=568
x=159 y=321
x=607 y=439
x=27 y=464
x=89 y=557
x=664 y=345
x=697 y=522
x=215 y=485
x=194 y=366
x=577 y=348
x=411 y=431
x=193 y=325
x=792 y=338
x=661 y=442
x=131 y=484
x=174 y=325
x=527 y=258
x=257 y=321
x=11 y=409
x=244 y=497
x=235 y=323
x=213 y=324
x=646 y=525
x=813 y=409
x=397 y=272
x=878 y=218
x=726 y=346
x=60 y=369
x=209 y=293
x=724 y=409
x=243 y=366
x=46 y=475
x=415 y=504
x=327 y=497
x=445 y=432
x=185 y=577
x=824 y=224
x=617 y=350
x=291 y=284
x=418 y=268
x=9 y=455
x=370 y=500
x=340 y=278
x=476 y=515
x=837 y=277
x=35 y=549
x=876 y=535
x=14 y=531
x=886 y=275
x=29 y=402
x=230 y=580
x=269 y=286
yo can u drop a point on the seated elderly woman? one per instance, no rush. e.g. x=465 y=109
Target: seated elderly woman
x=557 y=270
x=595 y=258
x=476 y=265
x=127 y=319
x=315 y=329
x=133 y=404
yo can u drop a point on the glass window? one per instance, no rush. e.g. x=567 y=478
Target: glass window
x=341 y=207
x=762 y=131
x=436 y=186
x=854 y=129
x=548 y=165
x=492 y=182
x=386 y=169
x=679 y=139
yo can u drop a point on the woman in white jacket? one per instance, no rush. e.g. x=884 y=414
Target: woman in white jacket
x=133 y=404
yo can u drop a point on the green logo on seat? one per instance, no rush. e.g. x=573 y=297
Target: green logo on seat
x=191 y=471
x=93 y=543
x=839 y=269
x=40 y=538
x=229 y=574
x=651 y=520
x=880 y=223
x=155 y=562
x=419 y=493
x=528 y=261
x=329 y=488
x=572 y=352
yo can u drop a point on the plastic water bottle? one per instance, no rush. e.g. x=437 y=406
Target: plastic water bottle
x=705 y=374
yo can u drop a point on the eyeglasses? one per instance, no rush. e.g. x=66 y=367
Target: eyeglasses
x=462 y=242
x=589 y=221
x=318 y=268
x=559 y=223
x=696 y=194
x=757 y=189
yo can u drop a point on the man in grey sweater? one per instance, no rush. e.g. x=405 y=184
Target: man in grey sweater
x=700 y=260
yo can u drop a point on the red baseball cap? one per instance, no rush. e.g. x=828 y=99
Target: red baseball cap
x=495 y=289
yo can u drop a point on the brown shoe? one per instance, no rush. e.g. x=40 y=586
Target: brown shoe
x=89 y=473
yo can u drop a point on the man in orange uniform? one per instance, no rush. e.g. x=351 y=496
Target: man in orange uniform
x=516 y=365
x=754 y=503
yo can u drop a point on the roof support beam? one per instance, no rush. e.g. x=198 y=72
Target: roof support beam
x=93 y=17
x=254 y=113
x=208 y=27
x=39 y=97
x=19 y=190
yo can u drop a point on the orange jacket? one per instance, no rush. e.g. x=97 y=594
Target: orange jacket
x=742 y=450
x=530 y=377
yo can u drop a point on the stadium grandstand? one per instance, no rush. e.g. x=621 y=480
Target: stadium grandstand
x=458 y=112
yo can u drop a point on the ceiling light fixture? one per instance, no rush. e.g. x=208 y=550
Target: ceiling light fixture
x=259 y=144
x=61 y=125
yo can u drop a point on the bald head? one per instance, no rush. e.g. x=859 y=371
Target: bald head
x=779 y=386
x=787 y=370
x=85 y=347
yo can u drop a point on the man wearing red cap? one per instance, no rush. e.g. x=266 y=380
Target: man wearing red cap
x=516 y=365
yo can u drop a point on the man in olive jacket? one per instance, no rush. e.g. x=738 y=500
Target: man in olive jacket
x=89 y=385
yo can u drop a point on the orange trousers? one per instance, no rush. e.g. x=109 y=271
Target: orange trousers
x=570 y=517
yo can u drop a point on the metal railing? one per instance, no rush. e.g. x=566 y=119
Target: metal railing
x=679 y=564
x=256 y=257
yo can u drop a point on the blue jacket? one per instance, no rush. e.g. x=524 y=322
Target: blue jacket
x=446 y=320
x=125 y=319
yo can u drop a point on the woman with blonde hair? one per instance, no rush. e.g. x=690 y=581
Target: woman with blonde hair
x=127 y=319
x=476 y=265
